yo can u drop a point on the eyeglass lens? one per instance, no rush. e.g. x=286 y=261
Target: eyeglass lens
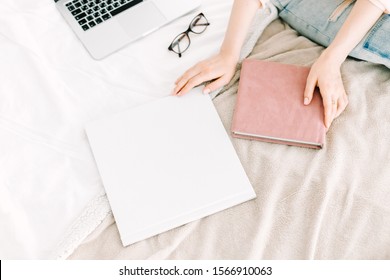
x=198 y=24
x=182 y=41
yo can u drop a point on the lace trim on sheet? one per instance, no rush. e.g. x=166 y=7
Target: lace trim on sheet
x=94 y=214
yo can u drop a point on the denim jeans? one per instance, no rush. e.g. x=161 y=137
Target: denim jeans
x=320 y=20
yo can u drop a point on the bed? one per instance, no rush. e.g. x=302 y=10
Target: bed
x=327 y=204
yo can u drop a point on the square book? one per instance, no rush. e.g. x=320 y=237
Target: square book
x=270 y=106
x=166 y=163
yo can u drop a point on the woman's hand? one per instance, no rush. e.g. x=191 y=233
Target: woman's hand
x=219 y=68
x=325 y=73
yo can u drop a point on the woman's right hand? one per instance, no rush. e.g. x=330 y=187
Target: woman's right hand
x=219 y=68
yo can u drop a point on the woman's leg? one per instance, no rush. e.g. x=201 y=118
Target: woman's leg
x=320 y=20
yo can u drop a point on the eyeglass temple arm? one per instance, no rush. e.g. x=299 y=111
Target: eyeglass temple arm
x=179 y=53
x=171 y=49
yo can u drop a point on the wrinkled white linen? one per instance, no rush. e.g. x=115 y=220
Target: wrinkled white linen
x=49 y=88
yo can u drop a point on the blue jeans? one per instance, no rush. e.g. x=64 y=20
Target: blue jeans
x=320 y=21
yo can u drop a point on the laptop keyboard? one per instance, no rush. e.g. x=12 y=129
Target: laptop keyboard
x=90 y=13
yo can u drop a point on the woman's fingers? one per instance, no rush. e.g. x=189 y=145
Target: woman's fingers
x=328 y=111
x=194 y=70
x=191 y=83
x=311 y=84
x=183 y=80
x=328 y=101
x=224 y=80
x=206 y=74
x=201 y=72
x=332 y=90
x=219 y=69
x=335 y=101
x=342 y=104
x=339 y=99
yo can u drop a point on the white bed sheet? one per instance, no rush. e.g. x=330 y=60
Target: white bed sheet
x=51 y=195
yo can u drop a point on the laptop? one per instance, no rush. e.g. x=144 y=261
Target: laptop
x=105 y=26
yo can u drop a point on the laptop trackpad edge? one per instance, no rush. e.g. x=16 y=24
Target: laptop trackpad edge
x=141 y=19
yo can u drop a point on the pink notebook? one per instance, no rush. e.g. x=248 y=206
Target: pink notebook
x=270 y=106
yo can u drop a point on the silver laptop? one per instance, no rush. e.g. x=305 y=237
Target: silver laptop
x=105 y=26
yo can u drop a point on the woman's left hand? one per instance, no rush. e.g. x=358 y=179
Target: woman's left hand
x=325 y=73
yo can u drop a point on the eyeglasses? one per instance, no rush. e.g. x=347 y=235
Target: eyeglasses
x=182 y=41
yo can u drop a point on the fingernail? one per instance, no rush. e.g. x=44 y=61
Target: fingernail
x=306 y=101
x=206 y=91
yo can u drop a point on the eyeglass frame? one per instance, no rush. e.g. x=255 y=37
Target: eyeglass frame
x=186 y=33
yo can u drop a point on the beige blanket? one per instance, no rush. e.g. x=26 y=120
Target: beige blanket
x=327 y=204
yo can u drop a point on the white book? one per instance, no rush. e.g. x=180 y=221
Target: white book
x=166 y=163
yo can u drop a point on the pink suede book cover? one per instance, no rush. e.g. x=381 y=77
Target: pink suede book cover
x=270 y=106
